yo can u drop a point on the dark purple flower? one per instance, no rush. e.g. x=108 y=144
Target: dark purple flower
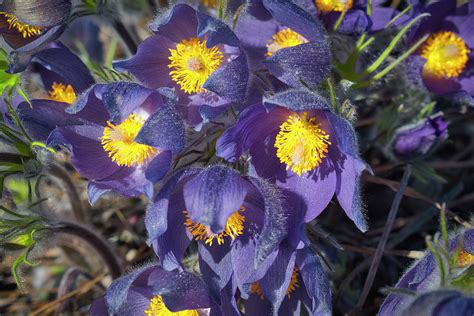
x=125 y=139
x=424 y=275
x=151 y=290
x=298 y=142
x=197 y=55
x=441 y=303
x=417 y=140
x=295 y=279
x=444 y=63
x=237 y=221
x=64 y=77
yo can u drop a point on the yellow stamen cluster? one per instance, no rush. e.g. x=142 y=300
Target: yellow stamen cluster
x=233 y=228
x=294 y=284
x=334 y=5
x=192 y=62
x=210 y=3
x=62 y=93
x=446 y=55
x=283 y=39
x=26 y=30
x=465 y=259
x=301 y=144
x=118 y=142
x=158 y=308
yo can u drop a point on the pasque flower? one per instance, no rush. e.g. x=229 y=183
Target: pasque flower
x=125 y=139
x=151 y=290
x=64 y=77
x=296 y=140
x=418 y=139
x=444 y=64
x=238 y=223
x=424 y=275
x=196 y=54
x=440 y=303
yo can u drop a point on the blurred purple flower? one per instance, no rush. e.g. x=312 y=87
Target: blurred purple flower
x=296 y=141
x=441 y=303
x=151 y=290
x=419 y=139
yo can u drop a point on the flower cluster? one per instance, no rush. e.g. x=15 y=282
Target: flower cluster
x=264 y=88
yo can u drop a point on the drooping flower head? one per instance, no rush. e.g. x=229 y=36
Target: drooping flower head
x=150 y=291
x=125 y=139
x=440 y=303
x=424 y=275
x=237 y=222
x=196 y=54
x=444 y=64
x=296 y=140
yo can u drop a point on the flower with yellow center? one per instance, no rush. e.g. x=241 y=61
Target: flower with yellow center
x=294 y=284
x=233 y=227
x=465 y=259
x=301 y=144
x=158 y=308
x=446 y=55
x=210 y=3
x=62 y=93
x=118 y=142
x=283 y=39
x=26 y=30
x=334 y=5
x=192 y=62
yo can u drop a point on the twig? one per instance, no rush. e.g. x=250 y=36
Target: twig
x=413 y=254
x=383 y=240
x=125 y=35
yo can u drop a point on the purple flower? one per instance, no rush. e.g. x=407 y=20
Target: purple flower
x=151 y=290
x=238 y=223
x=441 y=303
x=444 y=63
x=417 y=140
x=196 y=54
x=64 y=76
x=293 y=45
x=125 y=139
x=30 y=25
x=424 y=275
x=296 y=141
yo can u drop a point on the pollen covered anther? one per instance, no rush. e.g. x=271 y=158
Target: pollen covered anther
x=118 y=142
x=26 y=30
x=61 y=93
x=334 y=5
x=192 y=62
x=283 y=39
x=446 y=55
x=301 y=143
x=234 y=227
x=158 y=308
x=465 y=259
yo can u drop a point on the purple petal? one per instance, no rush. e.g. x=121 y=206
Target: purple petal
x=179 y=23
x=215 y=263
x=297 y=100
x=216 y=31
x=159 y=166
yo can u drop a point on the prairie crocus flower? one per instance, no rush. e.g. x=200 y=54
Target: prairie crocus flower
x=64 y=77
x=444 y=63
x=151 y=290
x=441 y=303
x=419 y=139
x=197 y=55
x=238 y=223
x=424 y=275
x=295 y=140
x=293 y=45
x=30 y=25
x=125 y=139
x=295 y=280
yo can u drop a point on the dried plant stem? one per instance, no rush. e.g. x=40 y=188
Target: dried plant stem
x=125 y=35
x=383 y=240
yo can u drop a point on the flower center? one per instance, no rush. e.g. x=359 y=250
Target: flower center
x=192 y=62
x=62 y=93
x=465 y=259
x=158 y=308
x=118 y=142
x=446 y=55
x=210 y=3
x=294 y=284
x=301 y=144
x=25 y=29
x=283 y=39
x=334 y=5
x=233 y=228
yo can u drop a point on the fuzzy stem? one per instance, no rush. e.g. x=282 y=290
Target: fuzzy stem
x=125 y=35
